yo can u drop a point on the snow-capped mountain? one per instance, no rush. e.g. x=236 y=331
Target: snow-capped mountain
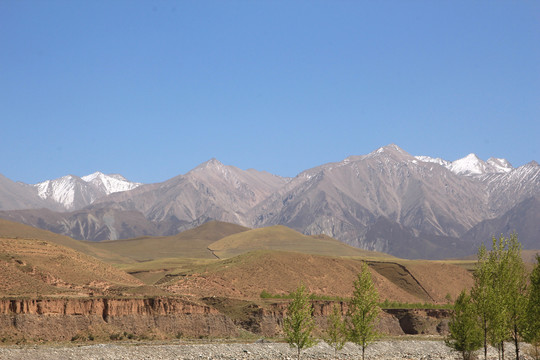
x=439 y=161
x=111 y=183
x=472 y=165
x=387 y=200
x=73 y=192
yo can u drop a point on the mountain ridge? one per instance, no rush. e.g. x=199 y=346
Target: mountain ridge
x=73 y=192
x=425 y=202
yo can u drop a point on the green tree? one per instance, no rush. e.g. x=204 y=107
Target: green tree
x=298 y=323
x=482 y=294
x=514 y=289
x=465 y=331
x=499 y=329
x=336 y=331
x=499 y=293
x=363 y=310
x=532 y=329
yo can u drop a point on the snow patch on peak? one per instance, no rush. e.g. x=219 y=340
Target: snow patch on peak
x=469 y=165
x=389 y=148
x=501 y=165
x=72 y=191
x=61 y=190
x=89 y=178
x=110 y=184
x=429 y=159
x=472 y=165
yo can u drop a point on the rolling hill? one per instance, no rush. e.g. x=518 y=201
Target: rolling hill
x=188 y=244
x=214 y=259
x=278 y=272
x=35 y=267
x=282 y=238
x=14 y=230
x=414 y=207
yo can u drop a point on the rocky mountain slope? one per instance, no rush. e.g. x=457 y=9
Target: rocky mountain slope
x=388 y=200
x=211 y=191
x=15 y=195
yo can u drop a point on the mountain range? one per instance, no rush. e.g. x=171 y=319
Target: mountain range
x=387 y=200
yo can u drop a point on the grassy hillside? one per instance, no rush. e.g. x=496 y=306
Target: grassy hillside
x=278 y=272
x=30 y=267
x=282 y=238
x=10 y=229
x=241 y=263
x=188 y=244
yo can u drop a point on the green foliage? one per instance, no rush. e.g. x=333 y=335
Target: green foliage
x=499 y=292
x=532 y=329
x=386 y=304
x=481 y=294
x=512 y=288
x=265 y=295
x=363 y=310
x=465 y=332
x=298 y=323
x=336 y=331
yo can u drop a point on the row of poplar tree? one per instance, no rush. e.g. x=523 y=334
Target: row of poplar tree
x=358 y=326
x=503 y=305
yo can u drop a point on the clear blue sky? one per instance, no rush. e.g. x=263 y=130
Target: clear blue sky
x=151 y=89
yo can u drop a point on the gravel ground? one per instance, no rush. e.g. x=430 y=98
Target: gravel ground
x=395 y=349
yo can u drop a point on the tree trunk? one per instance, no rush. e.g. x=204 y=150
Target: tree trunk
x=485 y=340
x=516 y=342
x=502 y=349
x=298 y=353
x=363 y=350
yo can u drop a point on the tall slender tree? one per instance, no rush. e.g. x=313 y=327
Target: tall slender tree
x=499 y=293
x=499 y=329
x=465 y=332
x=482 y=295
x=363 y=310
x=298 y=323
x=515 y=290
x=336 y=331
x=532 y=329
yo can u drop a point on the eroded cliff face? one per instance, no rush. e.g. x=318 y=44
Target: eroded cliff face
x=105 y=307
x=391 y=321
x=64 y=319
x=59 y=319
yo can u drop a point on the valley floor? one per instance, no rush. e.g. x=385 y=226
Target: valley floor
x=381 y=350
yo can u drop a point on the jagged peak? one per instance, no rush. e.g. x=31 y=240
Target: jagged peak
x=500 y=165
x=92 y=176
x=213 y=163
x=389 y=148
x=468 y=165
x=473 y=165
x=100 y=175
x=430 y=159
